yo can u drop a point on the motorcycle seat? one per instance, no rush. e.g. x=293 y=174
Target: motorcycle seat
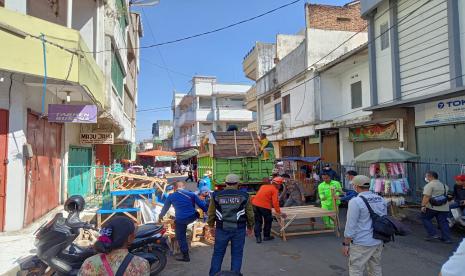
x=148 y=229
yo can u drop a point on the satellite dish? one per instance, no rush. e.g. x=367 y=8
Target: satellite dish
x=144 y=3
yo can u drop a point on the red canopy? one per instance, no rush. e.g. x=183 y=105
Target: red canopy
x=155 y=153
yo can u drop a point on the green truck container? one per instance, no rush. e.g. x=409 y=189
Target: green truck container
x=235 y=152
x=251 y=170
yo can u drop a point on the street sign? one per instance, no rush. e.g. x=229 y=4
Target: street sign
x=69 y=113
x=97 y=138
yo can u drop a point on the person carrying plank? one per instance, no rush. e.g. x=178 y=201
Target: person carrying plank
x=325 y=193
x=263 y=202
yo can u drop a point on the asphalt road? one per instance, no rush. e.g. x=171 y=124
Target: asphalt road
x=320 y=255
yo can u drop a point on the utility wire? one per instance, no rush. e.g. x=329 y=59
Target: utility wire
x=165 y=68
x=211 y=31
x=159 y=51
x=340 y=45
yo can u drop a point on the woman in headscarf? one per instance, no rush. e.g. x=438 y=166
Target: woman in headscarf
x=113 y=258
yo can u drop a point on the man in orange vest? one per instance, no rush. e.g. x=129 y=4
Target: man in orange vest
x=263 y=202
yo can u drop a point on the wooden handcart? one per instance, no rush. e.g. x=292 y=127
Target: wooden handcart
x=309 y=213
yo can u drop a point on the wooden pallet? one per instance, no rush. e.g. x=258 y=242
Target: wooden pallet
x=235 y=144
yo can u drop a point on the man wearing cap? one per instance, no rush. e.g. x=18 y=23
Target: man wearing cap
x=232 y=215
x=329 y=171
x=205 y=181
x=359 y=245
x=266 y=199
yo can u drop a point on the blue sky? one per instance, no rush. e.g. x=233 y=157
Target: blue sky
x=219 y=54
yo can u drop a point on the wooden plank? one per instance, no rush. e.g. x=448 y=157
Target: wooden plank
x=239 y=142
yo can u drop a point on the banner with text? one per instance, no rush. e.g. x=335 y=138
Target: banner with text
x=97 y=138
x=69 y=113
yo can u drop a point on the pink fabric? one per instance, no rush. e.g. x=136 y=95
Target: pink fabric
x=106 y=265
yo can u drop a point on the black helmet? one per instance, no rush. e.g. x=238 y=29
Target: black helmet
x=75 y=203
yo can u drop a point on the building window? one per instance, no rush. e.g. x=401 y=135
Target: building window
x=384 y=32
x=121 y=10
x=286 y=104
x=117 y=73
x=277 y=112
x=356 y=94
x=277 y=95
x=267 y=100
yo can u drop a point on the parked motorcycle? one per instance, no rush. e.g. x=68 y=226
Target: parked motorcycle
x=58 y=254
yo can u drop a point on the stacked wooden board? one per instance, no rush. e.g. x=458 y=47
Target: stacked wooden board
x=232 y=144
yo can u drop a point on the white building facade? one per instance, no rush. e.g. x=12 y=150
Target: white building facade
x=287 y=95
x=417 y=67
x=209 y=106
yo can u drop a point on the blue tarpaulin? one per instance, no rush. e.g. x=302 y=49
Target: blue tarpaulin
x=309 y=159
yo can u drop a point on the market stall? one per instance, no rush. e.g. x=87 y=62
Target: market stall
x=158 y=159
x=388 y=173
x=303 y=170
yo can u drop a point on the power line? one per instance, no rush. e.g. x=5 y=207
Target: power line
x=154 y=109
x=166 y=68
x=340 y=45
x=158 y=50
x=211 y=31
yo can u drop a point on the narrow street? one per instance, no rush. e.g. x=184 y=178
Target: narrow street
x=319 y=255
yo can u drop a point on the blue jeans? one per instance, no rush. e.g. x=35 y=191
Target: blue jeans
x=441 y=218
x=222 y=239
x=180 y=230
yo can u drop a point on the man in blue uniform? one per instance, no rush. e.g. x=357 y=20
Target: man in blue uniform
x=232 y=213
x=184 y=202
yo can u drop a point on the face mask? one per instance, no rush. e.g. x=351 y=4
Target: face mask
x=427 y=180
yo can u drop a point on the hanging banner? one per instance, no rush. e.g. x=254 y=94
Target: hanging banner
x=374 y=132
x=69 y=113
x=97 y=138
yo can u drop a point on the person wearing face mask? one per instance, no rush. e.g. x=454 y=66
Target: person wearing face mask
x=113 y=258
x=434 y=205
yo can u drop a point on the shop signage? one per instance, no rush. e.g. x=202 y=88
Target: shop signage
x=68 y=113
x=97 y=138
x=440 y=112
x=374 y=132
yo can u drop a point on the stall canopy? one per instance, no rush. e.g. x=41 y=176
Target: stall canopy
x=384 y=155
x=309 y=159
x=159 y=155
x=184 y=155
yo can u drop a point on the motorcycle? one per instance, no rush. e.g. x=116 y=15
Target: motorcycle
x=58 y=253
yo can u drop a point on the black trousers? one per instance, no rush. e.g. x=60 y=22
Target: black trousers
x=263 y=218
x=190 y=177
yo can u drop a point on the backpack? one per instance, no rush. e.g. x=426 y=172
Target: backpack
x=383 y=229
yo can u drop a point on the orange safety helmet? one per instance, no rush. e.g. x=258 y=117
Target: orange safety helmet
x=278 y=180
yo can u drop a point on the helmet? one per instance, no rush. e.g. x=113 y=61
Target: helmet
x=75 y=203
x=278 y=180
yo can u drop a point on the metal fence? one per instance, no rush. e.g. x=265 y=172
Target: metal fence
x=415 y=173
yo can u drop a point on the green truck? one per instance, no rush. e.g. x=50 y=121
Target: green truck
x=234 y=152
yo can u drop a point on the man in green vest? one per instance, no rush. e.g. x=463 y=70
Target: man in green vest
x=325 y=194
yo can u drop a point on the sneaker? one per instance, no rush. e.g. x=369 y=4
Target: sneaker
x=429 y=238
x=259 y=239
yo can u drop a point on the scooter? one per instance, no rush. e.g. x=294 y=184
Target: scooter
x=58 y=254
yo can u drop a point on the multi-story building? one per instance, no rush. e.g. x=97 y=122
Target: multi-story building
x=417 y=63
x=54 y=86
x=287 y=94
x=209 y=106
x=162 y=129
